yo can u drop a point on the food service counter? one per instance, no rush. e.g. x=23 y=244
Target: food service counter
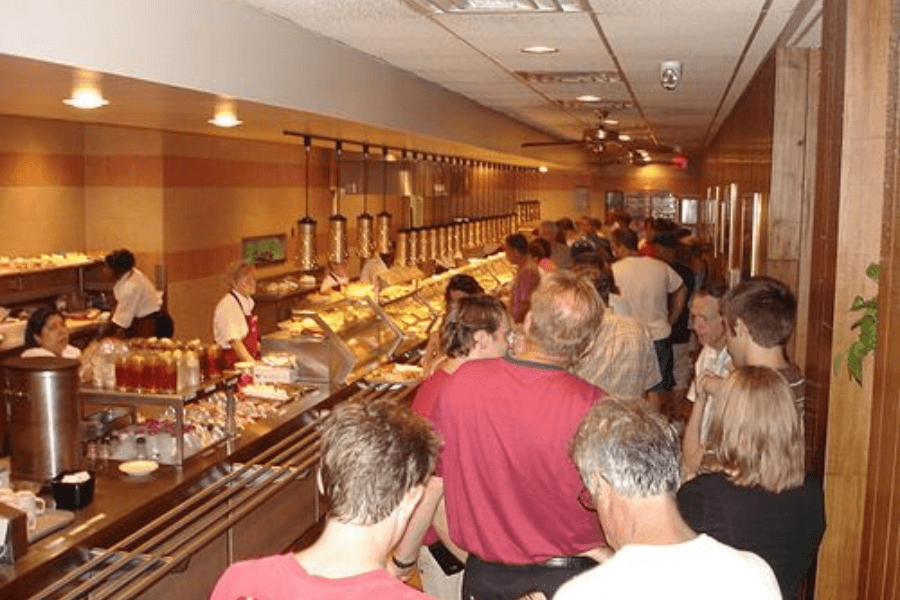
x=171 y=533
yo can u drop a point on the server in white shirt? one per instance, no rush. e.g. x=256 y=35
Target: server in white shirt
x=235 y=326
x=139 y=310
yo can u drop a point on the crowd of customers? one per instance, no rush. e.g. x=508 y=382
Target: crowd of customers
x=622 y=426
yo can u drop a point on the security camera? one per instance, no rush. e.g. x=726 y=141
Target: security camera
x=670 y=74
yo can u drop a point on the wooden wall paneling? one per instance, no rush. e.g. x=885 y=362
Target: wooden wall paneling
x=880 y=558
x=855 y=49
x=788 y=173
x=807 y=206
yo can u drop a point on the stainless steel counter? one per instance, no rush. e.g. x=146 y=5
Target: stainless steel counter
x=171 y=533
x=123 y=504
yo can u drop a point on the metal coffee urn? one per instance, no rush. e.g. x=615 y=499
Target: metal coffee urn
x=41 y=401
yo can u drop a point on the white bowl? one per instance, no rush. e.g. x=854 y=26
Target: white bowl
x=138 y=468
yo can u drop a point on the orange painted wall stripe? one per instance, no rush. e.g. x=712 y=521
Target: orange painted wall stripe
x=124 y=171
x=28 y=169
x=183 y=171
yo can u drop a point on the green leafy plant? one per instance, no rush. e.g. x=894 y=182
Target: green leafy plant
x=867 y=325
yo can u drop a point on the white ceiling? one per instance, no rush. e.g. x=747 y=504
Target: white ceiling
x=474 y=49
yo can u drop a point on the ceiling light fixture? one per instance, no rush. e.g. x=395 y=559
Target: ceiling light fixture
x=86 y=98
x=225 y=120
x=543 y=169
x=539 y=50
x=610 y=122
x=588 y=98
x=624 y=137
x=226 y=115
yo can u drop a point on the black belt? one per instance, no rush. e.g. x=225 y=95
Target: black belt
x=570 y=562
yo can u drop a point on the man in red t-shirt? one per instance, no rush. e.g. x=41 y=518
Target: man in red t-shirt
x=376 y=459
x=511 y=491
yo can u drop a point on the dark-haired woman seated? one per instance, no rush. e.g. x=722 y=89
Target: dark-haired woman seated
x=752 y=492
x=138 y=307
x=46 y=335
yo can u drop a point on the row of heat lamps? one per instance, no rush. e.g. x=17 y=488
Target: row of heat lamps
x=373 y=234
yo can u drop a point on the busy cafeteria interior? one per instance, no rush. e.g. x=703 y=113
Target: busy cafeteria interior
x=235 y=232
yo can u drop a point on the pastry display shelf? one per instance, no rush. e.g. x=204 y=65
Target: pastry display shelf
x=226 y=383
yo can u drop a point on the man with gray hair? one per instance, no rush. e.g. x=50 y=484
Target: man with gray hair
x=629 y=461
x=509 y=487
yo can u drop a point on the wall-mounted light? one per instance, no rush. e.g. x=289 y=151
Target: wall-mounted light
x=543 y=169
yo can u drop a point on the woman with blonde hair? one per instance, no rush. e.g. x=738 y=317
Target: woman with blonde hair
x=751 y=492
x=235 y=326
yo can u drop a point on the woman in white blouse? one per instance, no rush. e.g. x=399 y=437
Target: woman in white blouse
x=46 y=335
x=235 y=326
x=138 y=306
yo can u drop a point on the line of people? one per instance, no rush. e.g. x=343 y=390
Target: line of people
x=557 y=476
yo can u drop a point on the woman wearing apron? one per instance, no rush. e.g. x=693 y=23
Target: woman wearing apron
x=235 y=327
x=139 y=311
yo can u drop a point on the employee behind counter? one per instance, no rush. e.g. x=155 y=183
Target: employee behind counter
x=235 y=326
x=46 y=336
x=139 y=311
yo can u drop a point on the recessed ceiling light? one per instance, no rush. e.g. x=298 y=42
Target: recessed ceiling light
x=543 y=169
x=625 y=137
x=540 y=50
x=86 y=99
x=225 y=120
x=588 y=98
x=611 y=121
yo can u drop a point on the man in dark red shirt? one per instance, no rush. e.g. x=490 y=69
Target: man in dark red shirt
x=511 y=491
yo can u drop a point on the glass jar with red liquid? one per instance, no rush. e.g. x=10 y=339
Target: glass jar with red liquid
x=213 y=362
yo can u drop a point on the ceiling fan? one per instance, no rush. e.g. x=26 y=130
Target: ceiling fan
x=608 y=147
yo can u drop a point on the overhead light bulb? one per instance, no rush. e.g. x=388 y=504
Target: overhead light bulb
x=226 y=115
x=539 y=50
x=624 y=137
x=225 y=120
x=610 y=122
x=588 y=98
x=86 y=98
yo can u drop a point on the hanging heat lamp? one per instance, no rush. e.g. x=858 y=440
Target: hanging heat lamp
x=337 y=223
x=383 y=219
x=365 y=243
x=306 y=227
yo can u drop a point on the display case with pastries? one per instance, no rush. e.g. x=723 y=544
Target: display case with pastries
x=481 y=271
x=414 y=317
x=337 y=341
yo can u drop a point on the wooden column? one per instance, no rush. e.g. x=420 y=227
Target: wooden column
x=847 y=237
x=792 y=189
x=880 y=559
